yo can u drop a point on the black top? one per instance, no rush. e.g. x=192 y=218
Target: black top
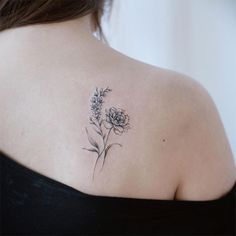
x=33 y=204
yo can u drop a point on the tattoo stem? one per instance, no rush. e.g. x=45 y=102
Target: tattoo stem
x=95 y=166
x=104 y=149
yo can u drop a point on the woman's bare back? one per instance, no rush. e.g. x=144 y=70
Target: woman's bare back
x=174 y=144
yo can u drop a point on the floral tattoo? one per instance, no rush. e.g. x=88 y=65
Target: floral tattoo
x=113 y=120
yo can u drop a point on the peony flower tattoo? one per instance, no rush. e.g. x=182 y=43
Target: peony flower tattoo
x=113 y=120
x=117 y=120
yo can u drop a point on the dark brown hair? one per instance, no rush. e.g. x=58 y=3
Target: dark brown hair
x=16 y=13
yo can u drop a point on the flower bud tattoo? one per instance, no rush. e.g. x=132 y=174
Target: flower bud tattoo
x=114 y=120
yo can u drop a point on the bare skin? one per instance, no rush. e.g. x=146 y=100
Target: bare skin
x=176 y=147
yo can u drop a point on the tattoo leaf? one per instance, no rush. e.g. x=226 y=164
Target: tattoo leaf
x=109 y=146
x=91 y=150
x=98 y=132
x=92 y=141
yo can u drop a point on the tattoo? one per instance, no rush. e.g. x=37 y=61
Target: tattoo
x=112 y=120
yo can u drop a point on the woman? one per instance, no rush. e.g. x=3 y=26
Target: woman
x=95 y=142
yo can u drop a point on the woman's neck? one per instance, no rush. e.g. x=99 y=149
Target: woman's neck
x=44 y=46
x=55 y=37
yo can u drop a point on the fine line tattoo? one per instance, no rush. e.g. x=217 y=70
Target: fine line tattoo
x=104 y=123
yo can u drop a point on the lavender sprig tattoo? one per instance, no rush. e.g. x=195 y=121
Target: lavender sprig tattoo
x=114 y=119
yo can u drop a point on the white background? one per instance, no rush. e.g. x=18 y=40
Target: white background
x=195 y=37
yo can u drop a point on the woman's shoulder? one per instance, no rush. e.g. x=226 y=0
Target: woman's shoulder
x=201 y=145
x=197 y=139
